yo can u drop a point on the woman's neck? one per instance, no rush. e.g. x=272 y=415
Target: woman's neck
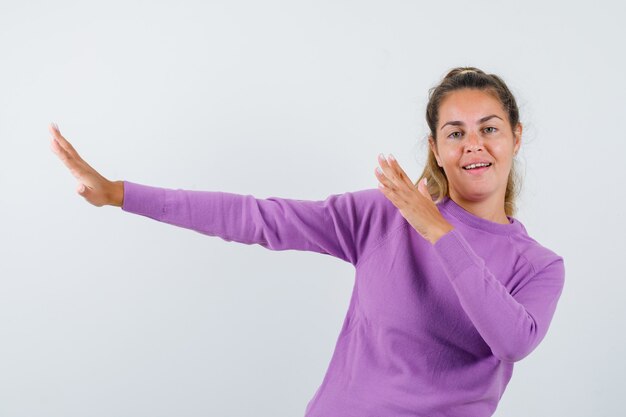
x=491 y=209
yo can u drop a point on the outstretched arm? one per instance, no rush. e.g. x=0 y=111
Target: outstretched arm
x=337 y=225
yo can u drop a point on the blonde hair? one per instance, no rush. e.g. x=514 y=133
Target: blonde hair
x=456 y=79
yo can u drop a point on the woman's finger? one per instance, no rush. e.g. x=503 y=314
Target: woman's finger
x=399 y=172
x=388 y=189
x=75 y=167
x=64 y=143
x=422 y=187
x=68 y=155
x=59 y=151
x=387 y=171
x=382 y=178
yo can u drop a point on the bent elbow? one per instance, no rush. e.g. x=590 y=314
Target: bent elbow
x=516 y=349
x=512 y=356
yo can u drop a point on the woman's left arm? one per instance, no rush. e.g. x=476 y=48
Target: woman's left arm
x=512 y=326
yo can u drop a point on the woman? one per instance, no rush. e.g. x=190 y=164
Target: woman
x=450 y=291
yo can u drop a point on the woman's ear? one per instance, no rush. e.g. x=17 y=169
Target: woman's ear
x=433 y=148
x=518 y=138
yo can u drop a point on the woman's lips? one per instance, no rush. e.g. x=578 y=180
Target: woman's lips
x=477 y=171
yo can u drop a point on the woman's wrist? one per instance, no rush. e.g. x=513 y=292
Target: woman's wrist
x=439 y=231
x=116 y=193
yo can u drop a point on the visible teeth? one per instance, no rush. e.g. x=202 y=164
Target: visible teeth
x=480 y=164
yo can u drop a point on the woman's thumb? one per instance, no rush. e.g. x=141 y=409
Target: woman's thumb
x=423 y=189
x=82 y=189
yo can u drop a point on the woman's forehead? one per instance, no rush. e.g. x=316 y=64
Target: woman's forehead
x=469 y=107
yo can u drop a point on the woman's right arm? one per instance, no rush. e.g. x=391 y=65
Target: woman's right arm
x=342 y=225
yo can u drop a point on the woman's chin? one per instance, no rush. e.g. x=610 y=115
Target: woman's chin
x=477 y=194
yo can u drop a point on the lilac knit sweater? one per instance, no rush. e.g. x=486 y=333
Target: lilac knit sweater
x=431 y=330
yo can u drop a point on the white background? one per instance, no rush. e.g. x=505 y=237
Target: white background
x=105 y=313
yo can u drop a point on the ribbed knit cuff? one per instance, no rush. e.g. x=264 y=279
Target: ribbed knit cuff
x=143 y=200
x=454 y=253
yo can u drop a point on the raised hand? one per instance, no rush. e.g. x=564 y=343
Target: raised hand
x=96 y=189
x=415 y=203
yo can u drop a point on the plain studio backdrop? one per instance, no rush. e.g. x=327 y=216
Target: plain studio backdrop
x=106 y=313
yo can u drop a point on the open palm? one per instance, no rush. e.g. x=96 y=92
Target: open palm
x=96 y=189
x=414 y=203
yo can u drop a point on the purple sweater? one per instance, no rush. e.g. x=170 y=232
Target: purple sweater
x=431 y=330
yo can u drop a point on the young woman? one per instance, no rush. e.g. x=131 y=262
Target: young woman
x=449 y=291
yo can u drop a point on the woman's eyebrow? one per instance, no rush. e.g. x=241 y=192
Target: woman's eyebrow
x=459 y=123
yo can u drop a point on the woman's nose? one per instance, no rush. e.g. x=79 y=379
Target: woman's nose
x=474 y=142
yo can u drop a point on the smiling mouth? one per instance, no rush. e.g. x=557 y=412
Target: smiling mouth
x=478 y=166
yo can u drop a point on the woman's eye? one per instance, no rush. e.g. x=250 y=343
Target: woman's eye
x=490 y=127
x=452 y=135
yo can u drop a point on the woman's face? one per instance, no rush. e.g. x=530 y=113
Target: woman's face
x=473 y=127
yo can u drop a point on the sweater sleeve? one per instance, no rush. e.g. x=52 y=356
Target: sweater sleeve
x=336 y=226
x=512 y=325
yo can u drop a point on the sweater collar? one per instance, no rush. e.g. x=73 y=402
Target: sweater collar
x=472 y=220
